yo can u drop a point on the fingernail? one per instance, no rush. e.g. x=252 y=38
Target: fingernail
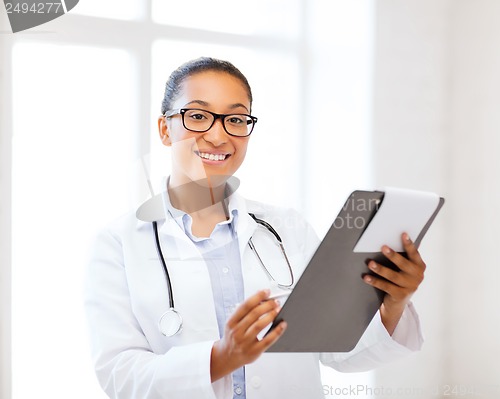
x=267 y=291
x=407 y=237
x=368 y=279
x=386 y=250
x=277 y=302
x=372 y=265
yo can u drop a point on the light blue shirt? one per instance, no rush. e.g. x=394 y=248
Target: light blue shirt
x=222 y=256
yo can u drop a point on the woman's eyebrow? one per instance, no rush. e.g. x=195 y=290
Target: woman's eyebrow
x=237 y=105
x=205 y=104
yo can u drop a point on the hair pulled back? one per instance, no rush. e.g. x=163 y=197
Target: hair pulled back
x=202 y=64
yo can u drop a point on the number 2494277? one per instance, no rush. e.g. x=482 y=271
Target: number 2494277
x=33 y=8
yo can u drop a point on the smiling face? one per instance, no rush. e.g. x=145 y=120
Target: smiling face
x=196 y=156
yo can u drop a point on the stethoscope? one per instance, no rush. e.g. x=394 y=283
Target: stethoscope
x=170 y=322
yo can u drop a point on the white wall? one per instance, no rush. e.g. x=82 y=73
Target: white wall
x=409 y=142
x=474 y=182
x=436 y=125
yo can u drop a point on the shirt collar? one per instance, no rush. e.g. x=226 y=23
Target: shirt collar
x=154 y=209
x=184 y=220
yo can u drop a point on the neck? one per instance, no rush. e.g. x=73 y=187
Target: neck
x=204 y=202
x=196 y=196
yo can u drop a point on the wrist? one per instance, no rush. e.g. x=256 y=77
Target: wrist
x=393 y=309
x=390 y=315
x=219 y=362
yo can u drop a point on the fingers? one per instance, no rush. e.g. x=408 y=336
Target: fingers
x=411 y=265
x=382 y=285
x=412 y=251
x=403 y=282
x=248 y=306
x=272 y=337
x=398 y=286
x=252 y=316
x=259 y=318
x=387 y=273
x=240 y=342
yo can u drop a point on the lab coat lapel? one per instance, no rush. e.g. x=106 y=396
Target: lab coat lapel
x=245 y=225
x=183 y=247
x=254 y=278
x=156 y=209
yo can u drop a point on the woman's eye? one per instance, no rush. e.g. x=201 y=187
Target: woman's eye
x=198 y=117
x=236 y=120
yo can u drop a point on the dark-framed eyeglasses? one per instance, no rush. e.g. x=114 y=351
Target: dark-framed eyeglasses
x=200 y=120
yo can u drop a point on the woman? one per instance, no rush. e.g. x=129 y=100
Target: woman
x=204 y=229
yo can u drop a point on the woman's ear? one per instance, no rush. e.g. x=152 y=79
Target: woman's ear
x=163 y=131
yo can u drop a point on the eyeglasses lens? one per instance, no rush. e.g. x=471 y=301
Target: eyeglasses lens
x=200 y=121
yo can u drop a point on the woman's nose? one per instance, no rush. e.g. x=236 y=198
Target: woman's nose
x=216 y=134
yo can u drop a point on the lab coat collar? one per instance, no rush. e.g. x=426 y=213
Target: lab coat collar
x=245 y=225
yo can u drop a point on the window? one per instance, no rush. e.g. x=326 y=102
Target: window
x=113 y=9
x=257 y=18
x=72 y=147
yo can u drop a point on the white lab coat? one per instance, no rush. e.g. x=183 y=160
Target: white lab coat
x=126 y=294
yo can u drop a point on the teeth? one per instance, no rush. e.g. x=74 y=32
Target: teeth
x=212 y=157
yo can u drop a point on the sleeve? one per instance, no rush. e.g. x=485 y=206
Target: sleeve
x=376 y=347
x=125 y=364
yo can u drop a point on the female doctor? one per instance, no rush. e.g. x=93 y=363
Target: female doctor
x=221 y=263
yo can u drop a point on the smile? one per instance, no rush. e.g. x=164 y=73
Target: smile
x=212 y=157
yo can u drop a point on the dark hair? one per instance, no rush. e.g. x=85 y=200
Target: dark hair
x=202 y=64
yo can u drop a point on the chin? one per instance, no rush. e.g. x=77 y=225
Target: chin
x=216 y=180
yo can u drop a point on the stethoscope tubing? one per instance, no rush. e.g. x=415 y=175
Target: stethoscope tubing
x=165 y=269
x=267 y=226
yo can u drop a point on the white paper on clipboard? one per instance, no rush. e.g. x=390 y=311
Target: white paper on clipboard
x=401 y=211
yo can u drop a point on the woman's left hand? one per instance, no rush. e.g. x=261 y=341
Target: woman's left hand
x=398 y=286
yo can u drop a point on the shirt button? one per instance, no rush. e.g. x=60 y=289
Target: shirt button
x=225 y=270
x=238 y=390
x=256 y=382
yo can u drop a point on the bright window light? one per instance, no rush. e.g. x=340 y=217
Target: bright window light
x=73 y=140
x=114 y=9
x=340 y=89
x=258 y=17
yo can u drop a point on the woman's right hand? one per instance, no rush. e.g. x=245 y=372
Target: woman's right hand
x=240 y=345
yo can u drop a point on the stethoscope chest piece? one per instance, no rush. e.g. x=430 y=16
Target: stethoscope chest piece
x=170 y=323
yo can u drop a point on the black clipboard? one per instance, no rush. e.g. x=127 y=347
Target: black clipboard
x=331 y=306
